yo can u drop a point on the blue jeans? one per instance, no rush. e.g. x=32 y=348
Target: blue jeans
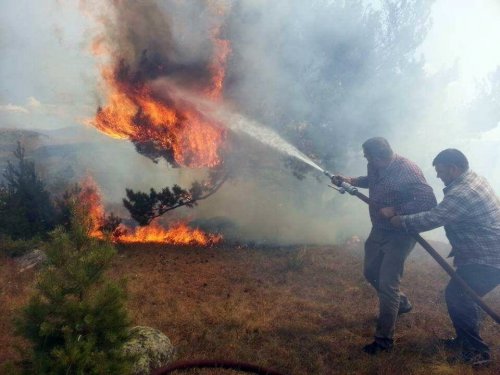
x=464 y=312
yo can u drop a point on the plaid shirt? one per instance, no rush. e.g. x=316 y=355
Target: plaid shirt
x=401 y=185
x=470 y=213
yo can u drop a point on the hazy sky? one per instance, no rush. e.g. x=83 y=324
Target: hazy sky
x=44 y=65
x=464 y=32
x=48 y=78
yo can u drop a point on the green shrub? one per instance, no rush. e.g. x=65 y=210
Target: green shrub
x=76 y=319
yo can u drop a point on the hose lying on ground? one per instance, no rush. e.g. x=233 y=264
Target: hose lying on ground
x=206 y=363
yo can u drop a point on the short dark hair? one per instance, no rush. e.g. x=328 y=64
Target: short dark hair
x=378 y=147
x=452 y=156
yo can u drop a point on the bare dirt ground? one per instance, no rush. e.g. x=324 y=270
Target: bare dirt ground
x=298 y=310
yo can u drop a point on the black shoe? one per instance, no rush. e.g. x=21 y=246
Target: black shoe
x=453 y=343
x=405 y=309
x=472 y=358
x=375 y=348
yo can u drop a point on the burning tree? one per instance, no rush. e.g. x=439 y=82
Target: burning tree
x=144 y=209
x=139 y=74
x=141 y=106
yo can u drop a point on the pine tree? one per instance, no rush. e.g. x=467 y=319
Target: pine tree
x=76 y=319
x=26 y=209
x=144 y=207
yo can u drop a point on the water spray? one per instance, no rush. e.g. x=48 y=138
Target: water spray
x=239 y=123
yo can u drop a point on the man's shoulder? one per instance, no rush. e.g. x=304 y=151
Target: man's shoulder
x=469 y=187
x=407 y=164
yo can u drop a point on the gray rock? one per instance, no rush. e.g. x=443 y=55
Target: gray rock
x=31 y=259
x=150 y=349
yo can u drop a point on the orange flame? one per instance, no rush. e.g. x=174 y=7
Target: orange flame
x=89 y=199
x=134 y=112
x=90 y=205
x=179 y=234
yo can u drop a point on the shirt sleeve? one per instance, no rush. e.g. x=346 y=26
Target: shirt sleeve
x=361 y=182
x=451 y=209
x=421 y=198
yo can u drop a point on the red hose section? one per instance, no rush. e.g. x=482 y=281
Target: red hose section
x=207 y=363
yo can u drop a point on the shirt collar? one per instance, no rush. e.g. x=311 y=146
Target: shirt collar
x=457 y=181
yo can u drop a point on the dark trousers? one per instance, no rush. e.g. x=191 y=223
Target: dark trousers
x=385 y=255
x=464 y=312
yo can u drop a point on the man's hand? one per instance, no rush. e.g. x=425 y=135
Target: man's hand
x=387 y=212
x=396 y=221
x=338 y=179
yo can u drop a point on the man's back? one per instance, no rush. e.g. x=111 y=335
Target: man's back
x=401 y=185
x=474 y=227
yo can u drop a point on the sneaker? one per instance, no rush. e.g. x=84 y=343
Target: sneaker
x=375 y=348
x=472 y=358
x=405 y=309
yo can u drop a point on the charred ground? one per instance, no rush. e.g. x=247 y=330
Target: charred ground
x=299 y=309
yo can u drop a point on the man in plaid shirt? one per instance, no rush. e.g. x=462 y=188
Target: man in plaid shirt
x=470 y=213
x=396 y=186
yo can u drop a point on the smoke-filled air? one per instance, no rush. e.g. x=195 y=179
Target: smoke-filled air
x=271 y=93
x=264 y=94
x=279 y=187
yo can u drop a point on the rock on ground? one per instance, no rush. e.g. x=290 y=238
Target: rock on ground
x=151 y=349
x=30 y=260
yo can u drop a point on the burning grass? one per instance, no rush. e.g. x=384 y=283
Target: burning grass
x=300 y=310
x=178 y=234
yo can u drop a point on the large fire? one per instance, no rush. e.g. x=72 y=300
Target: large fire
x=148 y=76
x=159 y=124
x=133 y=113
x=179 y=234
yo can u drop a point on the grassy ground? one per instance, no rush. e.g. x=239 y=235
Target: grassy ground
x=299 y=310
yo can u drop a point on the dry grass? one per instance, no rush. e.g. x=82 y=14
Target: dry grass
x=302 y=310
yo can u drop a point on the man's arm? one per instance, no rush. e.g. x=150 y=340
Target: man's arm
x=361 y=182
x=452 y=208
x=420 y=198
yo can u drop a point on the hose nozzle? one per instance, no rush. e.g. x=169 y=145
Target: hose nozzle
x=343 y=186
x=328 y=174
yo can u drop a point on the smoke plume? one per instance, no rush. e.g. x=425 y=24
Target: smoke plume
x=324 y=75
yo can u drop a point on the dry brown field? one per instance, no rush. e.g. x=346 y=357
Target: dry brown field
x=298 y=310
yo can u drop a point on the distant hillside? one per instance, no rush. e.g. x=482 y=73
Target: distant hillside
x=66 y=155
x=9 y=138
x=58 y=154
x=75 y=134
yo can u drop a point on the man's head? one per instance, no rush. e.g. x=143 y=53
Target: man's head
x=450 y=164
x=378 y=152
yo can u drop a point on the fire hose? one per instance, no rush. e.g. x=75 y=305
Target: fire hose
x=215 y=364
x=344 y=187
